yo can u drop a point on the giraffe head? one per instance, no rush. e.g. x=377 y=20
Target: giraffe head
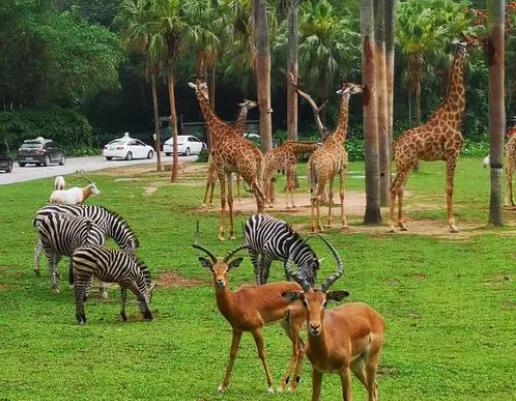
x=348 y=88
x=200 y=87
x=467 y=42
x=248 y=104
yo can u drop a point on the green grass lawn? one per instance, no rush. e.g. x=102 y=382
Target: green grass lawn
x=449 y=302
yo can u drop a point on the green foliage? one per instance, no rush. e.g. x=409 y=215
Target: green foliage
x=203 y=156
x=475 y=148
x=67 y=127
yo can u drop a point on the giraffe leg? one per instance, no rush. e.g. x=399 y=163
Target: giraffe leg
x=330 y=201
x=342 y=178
x=230 y=206
x=222 y=205
x=289 y=188
x=207 y=190
x=238 y=188
x=397 y=190
x=319 y=191
x=450 y=172
x=509 y=170
x=394 y=192
x=212 y=189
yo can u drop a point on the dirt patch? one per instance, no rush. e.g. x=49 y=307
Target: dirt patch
x=153 y=187
x=418 y=276
x=172 y=279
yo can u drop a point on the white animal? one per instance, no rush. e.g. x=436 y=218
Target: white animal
x=486 y=162
x=59 y=183
x=74 y=195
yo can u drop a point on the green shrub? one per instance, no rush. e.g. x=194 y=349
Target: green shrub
x=68 y=128
x=203 y=156
x=475 y=148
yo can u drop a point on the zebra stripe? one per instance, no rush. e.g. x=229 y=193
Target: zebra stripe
x=111 y=266
x=270 y=239
x=60 y=235
x=111 y=224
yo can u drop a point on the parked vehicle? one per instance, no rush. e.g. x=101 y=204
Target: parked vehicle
x=41 y=152
x=6 y=162
x=127 y=148
x=186 y=145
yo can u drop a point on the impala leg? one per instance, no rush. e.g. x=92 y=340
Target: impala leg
x=258 y=339
x=358 y=368
x=235 y=341
x=316 y=384
x=371 y=368
x=291 y=377
x=450 y=172
x=285 y=323
x=222 y=180
x=346 y=383
x=295 y=329
x=342 y=177
x=37 y=253
x=230 y=206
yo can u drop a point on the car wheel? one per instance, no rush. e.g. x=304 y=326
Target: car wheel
x=168 y=154
x=129 y=156
x=46 y=162
x=187 y=152
x=21 y=164
x=61 y=162
x=9 y=167
x=150 y=155
x=109 y=158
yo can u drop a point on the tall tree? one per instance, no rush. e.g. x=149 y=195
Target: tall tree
x=292 y=67
x=372 y=211
x=263 y=72
x=390 y=10
x=495 y=47
x=383 y=102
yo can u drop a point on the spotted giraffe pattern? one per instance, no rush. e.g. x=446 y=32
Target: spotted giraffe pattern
x=330 y=160
x=239 y=127
x=510 y=165
x=284 y=157
x=232 y=154
x=437 y=139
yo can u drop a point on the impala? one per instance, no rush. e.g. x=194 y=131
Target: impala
x=349 y=337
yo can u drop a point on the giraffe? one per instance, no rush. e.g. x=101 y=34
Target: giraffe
x=329 y=160
x=284 y=157
x=437 y=139
x=239 y=127
x=510 y=165
x=232 y=154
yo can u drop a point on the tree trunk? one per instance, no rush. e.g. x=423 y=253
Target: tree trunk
x=172 y=123
x=211 y=86
x=263 y=73
x=383 y=103
x=496 y=55
x=292 y=69
x=157 y=142
x=372 y=212
x=390 y=10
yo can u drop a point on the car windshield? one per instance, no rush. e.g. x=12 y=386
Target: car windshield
x=117 y=141
x=31 y=145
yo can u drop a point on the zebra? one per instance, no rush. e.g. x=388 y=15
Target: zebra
x=61 y=234
x=110 y=265
x=111 y=224
x=270 y=239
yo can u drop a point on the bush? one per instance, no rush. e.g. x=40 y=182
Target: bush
x=68 y=128
x=475 y=148
x=203 y=156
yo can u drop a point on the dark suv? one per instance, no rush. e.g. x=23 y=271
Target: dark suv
x=6 y=163
x=40 y=151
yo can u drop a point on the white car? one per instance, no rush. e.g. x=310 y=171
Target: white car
x=128 y=149
x=186 y=145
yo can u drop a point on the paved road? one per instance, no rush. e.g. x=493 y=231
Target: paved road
x=89 y=163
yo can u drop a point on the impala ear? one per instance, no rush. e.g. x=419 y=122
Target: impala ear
x=291 y=296
x=336 y=295
x=235 y=263
x=206 y=263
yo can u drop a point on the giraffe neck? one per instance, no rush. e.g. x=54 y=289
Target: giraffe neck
x=451 y=109
x=342 y=123
x=241 y=121
x=303 y=147
x=213 y=122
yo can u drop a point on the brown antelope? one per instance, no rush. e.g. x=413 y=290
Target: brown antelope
x=347 y=337
x=249 y=308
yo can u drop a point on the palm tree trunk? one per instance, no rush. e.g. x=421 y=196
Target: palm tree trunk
x=292 y=69
x=263 y=72
x=157 y=144
x=383 y=104
x=372 y=212
x=390 y=9
x=496 y=55
x=211 y=85
x=172 y=123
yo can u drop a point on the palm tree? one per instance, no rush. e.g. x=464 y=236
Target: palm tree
x=372 y=212
x=390 y=10
x=263 y=71
x=495 y=16
x=383 y=105
x=135 y=18
x=166 y=44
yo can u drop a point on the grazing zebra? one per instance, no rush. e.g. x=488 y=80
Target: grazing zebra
x=271 y=239
x=111 y=224
x=61 y=234
x=111 y=266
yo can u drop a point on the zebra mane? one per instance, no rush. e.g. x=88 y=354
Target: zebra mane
x=123 y=222
x=144 y=269
x=296 y=237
